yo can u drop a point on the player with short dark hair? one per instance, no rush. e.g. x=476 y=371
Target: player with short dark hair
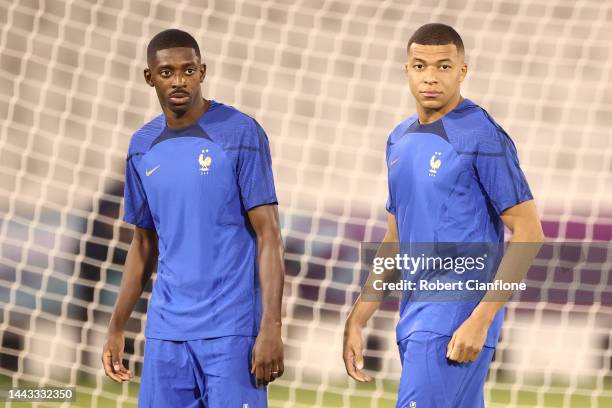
x=454 y=177
x=199 y=190
x=437 y=34
x=171 y=38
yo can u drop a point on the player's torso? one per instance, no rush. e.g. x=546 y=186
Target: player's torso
x=188 y=176
x=430 y=183
x=437 y=199
x=205 y=285
x=192 y=191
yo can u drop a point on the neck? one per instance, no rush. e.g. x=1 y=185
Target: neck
x=178 y=120
x=431 y=115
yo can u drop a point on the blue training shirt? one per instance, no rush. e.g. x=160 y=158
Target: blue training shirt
x=194 y=186
x=449 y=181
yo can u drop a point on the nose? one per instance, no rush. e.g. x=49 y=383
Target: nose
x=430 y=76
x=179 y=81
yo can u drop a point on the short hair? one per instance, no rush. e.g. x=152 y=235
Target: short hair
x=436 y=34
x=171 y=38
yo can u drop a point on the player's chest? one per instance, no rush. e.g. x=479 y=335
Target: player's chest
x=185 y=166
x=426 y=163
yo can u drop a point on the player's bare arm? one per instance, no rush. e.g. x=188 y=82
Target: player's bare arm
x=139 y=265
x=524 y=222
x=267 y=358
x=361 y=312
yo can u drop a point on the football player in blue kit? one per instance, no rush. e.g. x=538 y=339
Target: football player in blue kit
x=200 y=192
x=454 y=177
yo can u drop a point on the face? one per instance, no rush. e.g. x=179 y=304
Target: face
x=435 y=73
x=176 y=74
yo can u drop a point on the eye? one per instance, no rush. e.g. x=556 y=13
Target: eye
x=165 y=73
x=418 y=66
x=190 y=71
x=445 y=67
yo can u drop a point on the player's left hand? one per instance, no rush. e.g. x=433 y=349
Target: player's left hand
x=267 y=361
x=467 y=340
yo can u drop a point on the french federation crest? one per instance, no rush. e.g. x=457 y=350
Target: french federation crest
x=434 y=164
x=205 y=161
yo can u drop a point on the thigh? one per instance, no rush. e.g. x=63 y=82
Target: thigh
x=471 y=391
x=418 y=382
x=430 y=380
x=225 y=364
x=168 y=378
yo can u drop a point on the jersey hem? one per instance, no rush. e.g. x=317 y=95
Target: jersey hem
x=199 y=336
x=265 y=202
x=139 y=225
x=510 y=204
x=440 y=333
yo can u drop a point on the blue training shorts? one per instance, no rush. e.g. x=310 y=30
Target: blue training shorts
x=430 y=380
x=210 y=373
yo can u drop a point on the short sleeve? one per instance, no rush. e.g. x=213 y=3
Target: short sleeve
x=390 y=200
x=499 y=173
x=255 y=177
x=136 y=207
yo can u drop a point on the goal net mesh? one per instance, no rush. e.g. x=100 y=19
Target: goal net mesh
x=325 y=79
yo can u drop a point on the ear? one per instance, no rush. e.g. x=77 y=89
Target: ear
x=463 y=72
x=202 y=72
x=147 y=76
x=406 y=68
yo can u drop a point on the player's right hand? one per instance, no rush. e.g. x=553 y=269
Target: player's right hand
x=112 y=356
x=353 y=352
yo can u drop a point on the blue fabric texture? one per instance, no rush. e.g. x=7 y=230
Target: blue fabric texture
x=194 y=186
x=430 y=380
x=208 y=373
x=449 y=182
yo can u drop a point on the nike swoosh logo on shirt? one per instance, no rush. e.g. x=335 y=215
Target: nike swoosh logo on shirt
x=393 y=162
x=149 y=172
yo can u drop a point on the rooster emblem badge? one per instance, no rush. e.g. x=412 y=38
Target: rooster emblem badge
x=434 y=164
x=205 y=162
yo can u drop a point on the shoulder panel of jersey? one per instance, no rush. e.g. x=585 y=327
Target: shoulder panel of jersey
x=472 y=131
x=400 y=131
x=225 y=125
x=239 y=130
x=143 y=138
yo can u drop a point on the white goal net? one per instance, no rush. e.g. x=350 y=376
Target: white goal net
x=325 y=79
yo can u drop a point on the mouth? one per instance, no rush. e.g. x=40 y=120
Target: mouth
x=179 y=98
x=431 y=94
